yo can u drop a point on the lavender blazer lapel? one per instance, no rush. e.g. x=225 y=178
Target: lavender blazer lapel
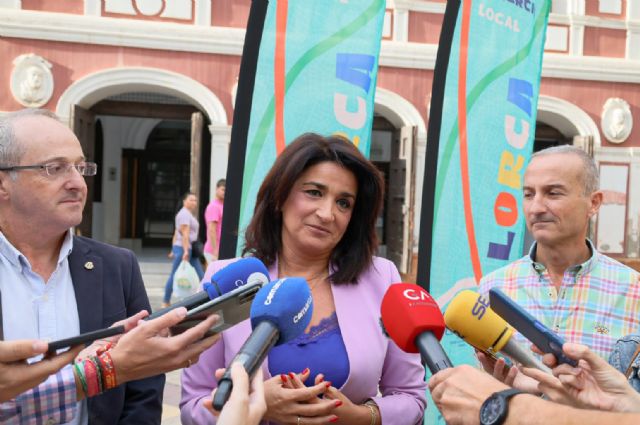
x=358 y=310
x=87 y=275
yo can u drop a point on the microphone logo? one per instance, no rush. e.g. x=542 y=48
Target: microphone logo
x=273 y=291
x=416 y=295
x=480 y=307
x=304 y=310
x=258 y=277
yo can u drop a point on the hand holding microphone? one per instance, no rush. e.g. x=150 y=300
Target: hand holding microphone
x=280 y=312
x=414 y=322
x=246 y=405
x=470 y=317
x=593 y=384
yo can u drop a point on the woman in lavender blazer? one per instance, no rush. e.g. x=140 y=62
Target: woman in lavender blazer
x=315 y=217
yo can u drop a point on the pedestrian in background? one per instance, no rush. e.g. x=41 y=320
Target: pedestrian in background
x=213 y=220
x=185 y=234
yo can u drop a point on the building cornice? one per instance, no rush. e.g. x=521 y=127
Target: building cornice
x=408 y=55
x=590 y=68
x=421 y=6
x=120 y=32
x=229 y=41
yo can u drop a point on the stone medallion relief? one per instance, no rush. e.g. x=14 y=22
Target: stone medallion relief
x=616 y=121
x=31 y=80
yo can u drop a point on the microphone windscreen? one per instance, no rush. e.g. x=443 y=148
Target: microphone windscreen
x=470 y=317
x=408 y=310
x=236 y=274
x=287 y=303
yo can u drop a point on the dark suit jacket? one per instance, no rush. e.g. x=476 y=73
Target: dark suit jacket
x=108 y=287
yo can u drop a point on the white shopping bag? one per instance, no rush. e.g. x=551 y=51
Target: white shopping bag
x=185 y=280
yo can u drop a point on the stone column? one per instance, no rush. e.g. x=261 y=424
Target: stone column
x=220 y=138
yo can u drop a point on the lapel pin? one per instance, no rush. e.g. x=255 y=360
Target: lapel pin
x=88 y=265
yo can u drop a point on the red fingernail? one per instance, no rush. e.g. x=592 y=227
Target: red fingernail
x=292 y=375
x=338 y=403
x=328 y=384
x=334 y=419
x=283 y=377
x=305 y=371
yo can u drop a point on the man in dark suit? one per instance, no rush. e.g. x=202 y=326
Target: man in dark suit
x=55 y=285
x=109 y=291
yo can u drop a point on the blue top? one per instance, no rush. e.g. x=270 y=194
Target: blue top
x=322 y=350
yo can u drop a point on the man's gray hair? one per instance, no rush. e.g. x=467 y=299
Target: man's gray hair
x=10 y=149
x=590 y=175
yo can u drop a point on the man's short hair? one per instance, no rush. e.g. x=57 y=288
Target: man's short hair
x=10 y=149
x=590 y=175
x=221 y=182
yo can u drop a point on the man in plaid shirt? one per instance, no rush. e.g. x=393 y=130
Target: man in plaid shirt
x=54 y=399
x=581 y=294
x=26 y=400
x=52 y=402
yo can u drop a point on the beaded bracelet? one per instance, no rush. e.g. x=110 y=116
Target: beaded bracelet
x=96 y=362
x=80 y=374
x=372 y=408
x=108 y=371
x=93 y=382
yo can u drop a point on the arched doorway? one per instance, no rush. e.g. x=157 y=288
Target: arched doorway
x=159 y=175
x=129 y=104
x=398 y=145
x=569 y=120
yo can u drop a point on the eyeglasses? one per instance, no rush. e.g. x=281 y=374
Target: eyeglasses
x=58 y=169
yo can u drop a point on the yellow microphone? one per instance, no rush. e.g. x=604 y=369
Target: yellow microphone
x=470 y=317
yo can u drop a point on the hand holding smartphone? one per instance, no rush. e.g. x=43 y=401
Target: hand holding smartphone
x=85 y=338
x=232 y=308
x=530 y=327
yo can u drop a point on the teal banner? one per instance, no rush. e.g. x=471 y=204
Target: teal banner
x=316 y=72
x=485 y=138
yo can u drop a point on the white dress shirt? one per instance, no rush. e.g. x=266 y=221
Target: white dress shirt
x=33 y=308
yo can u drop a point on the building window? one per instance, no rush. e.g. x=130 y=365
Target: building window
x=613 y=7
x=387 y=25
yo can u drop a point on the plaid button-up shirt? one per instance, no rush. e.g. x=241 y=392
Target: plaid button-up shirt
x=598 y=301
x=51 y=402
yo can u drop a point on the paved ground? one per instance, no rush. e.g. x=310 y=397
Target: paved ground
x=155 y=267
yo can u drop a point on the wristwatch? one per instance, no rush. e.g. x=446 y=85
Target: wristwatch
x=494 y=410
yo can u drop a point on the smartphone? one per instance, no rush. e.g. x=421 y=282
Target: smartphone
x=530 y=327
x=85 y=338
x=232 y=307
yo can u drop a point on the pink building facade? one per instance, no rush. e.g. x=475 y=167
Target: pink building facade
x=138 y=70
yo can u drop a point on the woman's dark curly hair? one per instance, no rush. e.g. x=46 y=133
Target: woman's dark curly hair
x=354 y=252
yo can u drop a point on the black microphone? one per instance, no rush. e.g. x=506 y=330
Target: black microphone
x=280 y=312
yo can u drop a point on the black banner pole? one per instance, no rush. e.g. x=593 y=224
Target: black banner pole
x=425 y=240
x=240 y=129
